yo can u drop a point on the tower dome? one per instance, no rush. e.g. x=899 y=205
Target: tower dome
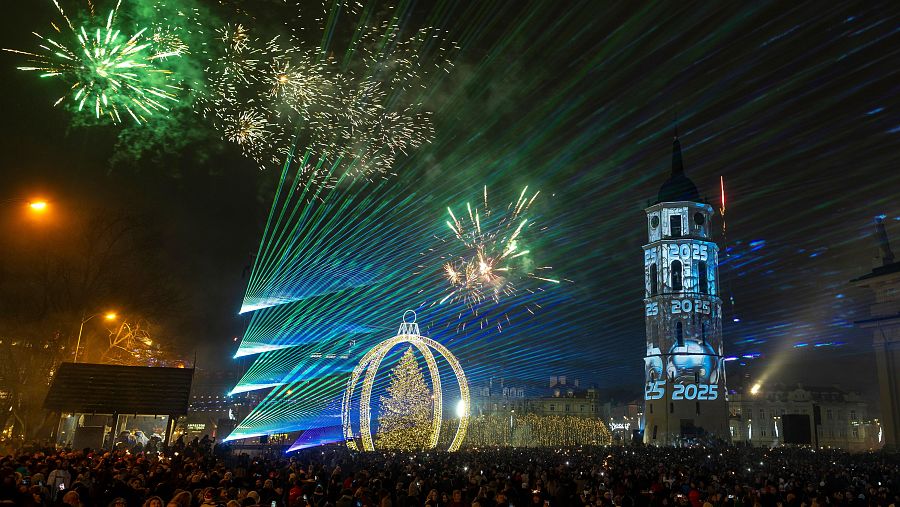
x=678 y=187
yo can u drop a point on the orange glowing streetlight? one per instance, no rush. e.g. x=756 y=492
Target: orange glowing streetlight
x=108 y=316
x=38 y=206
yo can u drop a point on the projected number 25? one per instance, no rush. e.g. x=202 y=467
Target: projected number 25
x=657 y=389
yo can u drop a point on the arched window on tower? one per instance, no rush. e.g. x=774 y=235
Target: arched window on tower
x=676 y=275
x=702 y=278
x=675 y=226
x=654 y=279
x=679 y=334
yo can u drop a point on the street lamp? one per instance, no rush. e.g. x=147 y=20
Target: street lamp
x=106 y=316
x=38 y=206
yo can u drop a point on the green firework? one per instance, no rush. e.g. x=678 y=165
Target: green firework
x=110 y=74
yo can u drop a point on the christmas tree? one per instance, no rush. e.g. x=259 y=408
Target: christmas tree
x=404 y=421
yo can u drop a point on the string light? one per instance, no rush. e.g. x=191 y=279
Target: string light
x=533 y=430
x=407 y=410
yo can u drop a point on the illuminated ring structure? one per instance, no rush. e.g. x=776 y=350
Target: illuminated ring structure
x=369 y=364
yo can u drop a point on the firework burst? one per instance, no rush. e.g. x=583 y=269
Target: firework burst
x=108 y=72
x=352 y=117
x=488 y=259
x=168 y=41
x=248 y=127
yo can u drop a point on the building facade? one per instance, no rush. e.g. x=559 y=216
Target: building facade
x=562 y=398
x=684 y=385
x=798 y=415
x=212 y=410
x=625 y=420
x=884 y=321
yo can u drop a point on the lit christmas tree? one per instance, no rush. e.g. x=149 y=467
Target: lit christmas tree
x=404 y=421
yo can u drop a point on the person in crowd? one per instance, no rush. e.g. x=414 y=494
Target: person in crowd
x=269 y=494
x=456 y=499
x=384 y=498
x=153 y=501
x=432 y=499
x=71 y=499
x=60 y=478
x=180 y=499
x=210 y=496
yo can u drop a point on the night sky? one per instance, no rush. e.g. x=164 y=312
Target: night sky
x=794 y=104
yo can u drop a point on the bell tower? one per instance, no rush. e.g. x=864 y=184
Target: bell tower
x=684 y=368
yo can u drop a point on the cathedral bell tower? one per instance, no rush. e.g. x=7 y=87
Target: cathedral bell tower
x=684 y=382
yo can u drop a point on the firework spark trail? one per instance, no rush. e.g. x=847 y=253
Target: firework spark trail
x=353 y=113
x=108 y=72
x=486 y=262
x=168 y=40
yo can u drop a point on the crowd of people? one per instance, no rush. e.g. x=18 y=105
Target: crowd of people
x=200 y=475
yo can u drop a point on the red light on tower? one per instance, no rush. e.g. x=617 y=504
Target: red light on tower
x=722 y=187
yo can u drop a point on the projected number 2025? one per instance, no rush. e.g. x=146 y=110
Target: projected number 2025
x=656 y=390
x=683 y=306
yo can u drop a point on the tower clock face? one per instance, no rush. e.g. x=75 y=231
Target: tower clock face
x=654 y=221
x=699 y=218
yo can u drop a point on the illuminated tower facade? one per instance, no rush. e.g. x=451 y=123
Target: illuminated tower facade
x=884 y=321
x=684 y=384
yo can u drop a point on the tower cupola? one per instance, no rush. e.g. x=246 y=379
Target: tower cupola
x=678 y=187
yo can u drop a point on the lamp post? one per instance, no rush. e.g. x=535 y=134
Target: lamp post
x=107 y=316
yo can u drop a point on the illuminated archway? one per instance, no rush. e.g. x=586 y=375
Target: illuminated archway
x=368 y=369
